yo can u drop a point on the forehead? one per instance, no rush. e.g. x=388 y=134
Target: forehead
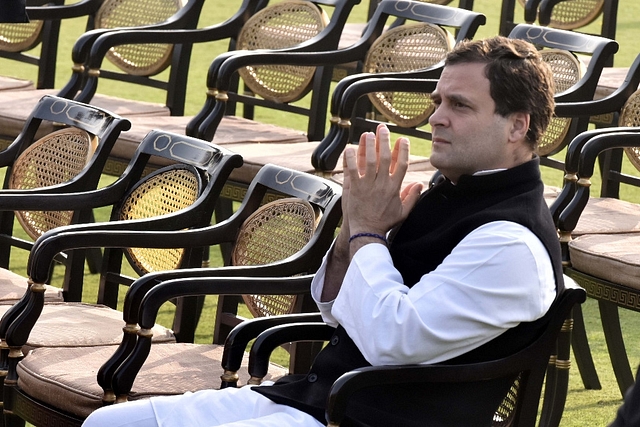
x=467 y=80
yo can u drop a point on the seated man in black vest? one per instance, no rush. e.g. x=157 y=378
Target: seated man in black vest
x=463 y=272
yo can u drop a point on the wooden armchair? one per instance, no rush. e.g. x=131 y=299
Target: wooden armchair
x=67 y=160
x=286 y=236
x=138 y=65
x=604 y=262
x=522 y=373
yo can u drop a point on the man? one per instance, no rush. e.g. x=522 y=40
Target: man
x=463 y=273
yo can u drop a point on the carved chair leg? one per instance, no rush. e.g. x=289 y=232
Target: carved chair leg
x=557 y=382
x=615 y=344
x=582 y=352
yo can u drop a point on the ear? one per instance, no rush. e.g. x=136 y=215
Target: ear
x=519 y=126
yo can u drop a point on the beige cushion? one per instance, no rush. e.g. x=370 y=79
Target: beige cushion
x=10 y=83
x=79 y=324
x=16 y=106
x=13 y=287
x=608 y=216
x=53 y=375
x=613 y=257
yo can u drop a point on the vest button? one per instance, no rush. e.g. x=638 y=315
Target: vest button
x=335 y=340
x=312 y=378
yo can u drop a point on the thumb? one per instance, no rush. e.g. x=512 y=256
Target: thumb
x=409 y=196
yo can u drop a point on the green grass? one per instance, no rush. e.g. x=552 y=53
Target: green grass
x=584 y=407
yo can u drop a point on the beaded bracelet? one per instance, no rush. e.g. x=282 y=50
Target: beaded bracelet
x=377 y=236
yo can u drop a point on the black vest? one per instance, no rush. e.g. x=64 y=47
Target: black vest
x=440 y=220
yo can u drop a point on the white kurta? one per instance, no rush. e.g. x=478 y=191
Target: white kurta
x=497 y=277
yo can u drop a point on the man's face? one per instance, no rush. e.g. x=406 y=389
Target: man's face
x=468 y=136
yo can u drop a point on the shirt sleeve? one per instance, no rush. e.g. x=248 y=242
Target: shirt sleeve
x=497 y=277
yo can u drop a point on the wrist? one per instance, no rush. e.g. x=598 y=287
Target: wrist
x=371 y=237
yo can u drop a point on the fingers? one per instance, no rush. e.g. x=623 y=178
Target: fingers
x=410 y=196
x=383 y=147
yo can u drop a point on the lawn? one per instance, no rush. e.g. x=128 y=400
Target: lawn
x=584 y=407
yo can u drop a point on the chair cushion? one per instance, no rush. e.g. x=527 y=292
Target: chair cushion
x=79 y=324
x=52 y=375
x=613 y=257
x=10 y=83
x=13 y=287
x=16 y=106
x=608 y=216
x=232 y=131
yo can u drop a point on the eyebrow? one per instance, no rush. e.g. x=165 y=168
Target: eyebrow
x=435 y=96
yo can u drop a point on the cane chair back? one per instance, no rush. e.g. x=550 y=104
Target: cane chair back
x=274 y=232
x=54 y=159
x=573 y=14
x=567 y=71
x=69 y=159
x=630 y=117
x=164 y=192
x=136 y=59
x=407 y=48
x=280 y=26
x=20 y=37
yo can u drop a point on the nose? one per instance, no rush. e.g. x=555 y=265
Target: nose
x=437 y=118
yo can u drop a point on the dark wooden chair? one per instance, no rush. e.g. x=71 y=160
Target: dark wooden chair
x=67 y=160
x=526 y=369
x=286 y=236
x=137 y=65
x=604 y=263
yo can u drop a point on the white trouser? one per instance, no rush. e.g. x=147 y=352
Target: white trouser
x=236 y=407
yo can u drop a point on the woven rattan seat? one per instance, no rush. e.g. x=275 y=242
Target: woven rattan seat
x=20 y=37
x=166 y=191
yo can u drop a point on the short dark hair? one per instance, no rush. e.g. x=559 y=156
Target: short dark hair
x=520 y=80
